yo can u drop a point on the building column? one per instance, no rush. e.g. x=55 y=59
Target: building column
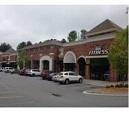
x=77 y=68
x=87 y=69
x=32 y=63
x=51 y=62
x=112 y=75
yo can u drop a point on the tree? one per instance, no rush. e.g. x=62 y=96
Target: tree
x=63 y=41
x=28 y=43
x=72 y=36
x=118 y=53
x=83 y=32
x=23 y=61
x=4 y=47
x=23 y=44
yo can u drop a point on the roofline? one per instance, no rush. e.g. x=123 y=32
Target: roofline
x=104 y=31
x=91 y=39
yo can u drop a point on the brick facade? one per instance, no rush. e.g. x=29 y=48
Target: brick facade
x=87 y=57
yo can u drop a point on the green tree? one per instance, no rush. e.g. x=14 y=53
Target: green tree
x=72 y=36
x=4 y=47
x=28 y=43
x=63 y=40
x=118 y=53
x=23 y=61
x=23 y=44
x=83 y=32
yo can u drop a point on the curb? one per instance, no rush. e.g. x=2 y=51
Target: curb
x=105 y=94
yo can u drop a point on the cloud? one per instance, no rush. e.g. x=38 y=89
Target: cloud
x=37 y=23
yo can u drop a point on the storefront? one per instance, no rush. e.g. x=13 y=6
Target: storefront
x=87 y=57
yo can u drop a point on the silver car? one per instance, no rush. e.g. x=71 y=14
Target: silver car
x=69 y=76
x=32 y=72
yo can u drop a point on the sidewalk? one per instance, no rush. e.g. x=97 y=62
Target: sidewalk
x=102 y=83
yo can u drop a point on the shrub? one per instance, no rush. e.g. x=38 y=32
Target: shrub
x=107 y=86
x=111 y=86
x=117 y=85
x=126 y=85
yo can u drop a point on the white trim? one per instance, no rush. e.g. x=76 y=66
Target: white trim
x=12 y=61
x=91 y=39
x=5 y=55
x=48 y=58
x=4 y=61
x=103 y=56
x=67 y=60
x=82 y=57
x=13 y=54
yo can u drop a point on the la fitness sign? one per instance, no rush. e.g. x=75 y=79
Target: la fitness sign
x=98 y=51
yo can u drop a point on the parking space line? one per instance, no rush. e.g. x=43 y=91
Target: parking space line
x=3 y=85
x=4 y=88
x=7 y=92
x=12 y=97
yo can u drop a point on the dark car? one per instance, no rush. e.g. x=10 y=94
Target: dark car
x=45 y=74
x=49 y=77
x=22 y=71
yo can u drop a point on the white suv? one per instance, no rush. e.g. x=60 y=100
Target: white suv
x=32 y=72
x=8 y=69
x=69 y=76
x=1 y=69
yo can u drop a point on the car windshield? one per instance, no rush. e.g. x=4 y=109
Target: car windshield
x=35 y=70
x=60 y=74
x=52 y=74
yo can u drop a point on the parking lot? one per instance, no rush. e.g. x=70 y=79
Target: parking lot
x=24 y=91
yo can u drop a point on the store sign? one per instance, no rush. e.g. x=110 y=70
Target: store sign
x=98 y=51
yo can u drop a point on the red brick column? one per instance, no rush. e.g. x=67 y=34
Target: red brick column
x=113 y=75
x=87 y=69
x=77 y=68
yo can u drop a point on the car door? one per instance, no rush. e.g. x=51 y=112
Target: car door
x=38 y=72
x=71 y=76
x=35 y=71
x=76 y=77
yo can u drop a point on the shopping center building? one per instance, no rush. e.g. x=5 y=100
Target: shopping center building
x=88 y=57
x=8 y=58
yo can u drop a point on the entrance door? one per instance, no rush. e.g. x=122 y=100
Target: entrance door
x=82 y=64
x=98 y=68
x=45 y=65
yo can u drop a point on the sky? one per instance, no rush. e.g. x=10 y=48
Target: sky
x=37 y=23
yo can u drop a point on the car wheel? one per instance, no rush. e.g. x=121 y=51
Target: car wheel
x=33 y=75
x=66 y=81
x=80 y=80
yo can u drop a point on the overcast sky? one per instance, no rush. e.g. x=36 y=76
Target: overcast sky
x=37 y=23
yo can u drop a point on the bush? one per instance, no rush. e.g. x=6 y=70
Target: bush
x=107 y=86
x=117 y=85
x=126 y=85
x=111 y=86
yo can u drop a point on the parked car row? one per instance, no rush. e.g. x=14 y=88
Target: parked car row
x=65 y=77
x=62 y=77
x=7 y=69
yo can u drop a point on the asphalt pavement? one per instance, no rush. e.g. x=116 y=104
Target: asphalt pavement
x=24 y=91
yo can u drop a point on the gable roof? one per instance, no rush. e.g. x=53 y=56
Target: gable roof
x=45 y=43
x=9 y=51
x=104 y=27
